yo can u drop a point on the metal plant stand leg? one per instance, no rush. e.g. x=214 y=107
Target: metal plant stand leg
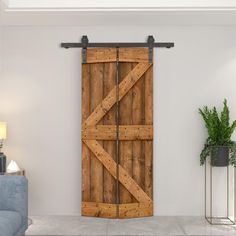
x=211 y=219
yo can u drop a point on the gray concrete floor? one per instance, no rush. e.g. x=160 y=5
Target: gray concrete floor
x=150 y=226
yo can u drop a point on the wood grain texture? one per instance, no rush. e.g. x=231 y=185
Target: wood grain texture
x=96 y=96
x=125 y=118
x=149 y=121
x=110 y=165
x=132 y=210
x=85 y=151
x=133 y=55
x=138 y=119
x=127 y=83
x=126 y=132
x=106 y=210
x=109 y=82
x=97 y=209
x=96 y=55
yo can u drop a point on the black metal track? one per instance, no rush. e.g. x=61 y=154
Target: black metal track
x=85 y=44
x=116 y=45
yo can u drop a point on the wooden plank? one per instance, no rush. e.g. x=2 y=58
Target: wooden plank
x=96 y=96
x=106 y=210
x=149 y=121
x=99 y=55
x=96 y=209
x=138 y=119
x=125 y=147
x=109 y=119
x=85 y=150
x=126 y=132
x=133 y=54
x=124 y=177
x=132 y=210
x=126 y=84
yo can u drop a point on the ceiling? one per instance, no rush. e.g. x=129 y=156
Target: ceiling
x=79 y=5
x=104 y=12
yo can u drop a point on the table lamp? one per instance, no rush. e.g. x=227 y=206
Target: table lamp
x=3 y=136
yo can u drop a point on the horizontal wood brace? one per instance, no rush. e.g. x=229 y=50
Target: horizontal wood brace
x=130 y=210
x=108 y=210
x=133 y=55
x=96 y=209
x=103 y=55
x=126 y=132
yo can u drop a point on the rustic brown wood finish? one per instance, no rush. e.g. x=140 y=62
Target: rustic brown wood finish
x=117 y=154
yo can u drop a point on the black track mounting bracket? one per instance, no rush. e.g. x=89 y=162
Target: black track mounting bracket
x=150 y=42
x=84 y=42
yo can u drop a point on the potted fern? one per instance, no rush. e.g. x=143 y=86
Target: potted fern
x=218 y=145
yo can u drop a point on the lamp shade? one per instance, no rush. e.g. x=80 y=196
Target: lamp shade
x=3 y=130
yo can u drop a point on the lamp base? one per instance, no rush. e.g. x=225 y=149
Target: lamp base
x=2 y=162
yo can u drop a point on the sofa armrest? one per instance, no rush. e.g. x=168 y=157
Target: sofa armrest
x=14 y=194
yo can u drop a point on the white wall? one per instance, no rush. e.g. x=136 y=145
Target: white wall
x=40 y=100
x=0 y=50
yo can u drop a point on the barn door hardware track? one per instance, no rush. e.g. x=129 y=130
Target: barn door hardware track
x=150 y=44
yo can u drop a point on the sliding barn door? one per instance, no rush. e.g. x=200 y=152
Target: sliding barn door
x=135 y=133
x=99 y=148
x=117 y=133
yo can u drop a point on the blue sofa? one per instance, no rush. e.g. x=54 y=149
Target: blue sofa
x=13 y=205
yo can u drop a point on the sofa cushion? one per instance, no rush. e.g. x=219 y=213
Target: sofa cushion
x=10 y=223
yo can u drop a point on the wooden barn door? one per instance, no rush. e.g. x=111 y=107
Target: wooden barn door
x=135 y=133
x=99 y=148
x=117 y=133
